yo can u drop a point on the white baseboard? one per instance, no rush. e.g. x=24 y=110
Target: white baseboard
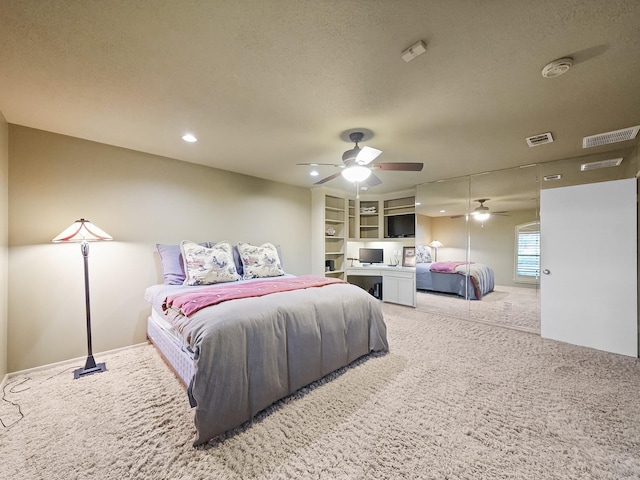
x=79 y=360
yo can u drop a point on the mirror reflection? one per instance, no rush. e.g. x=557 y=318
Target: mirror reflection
x=442 y=222
x=488 y=248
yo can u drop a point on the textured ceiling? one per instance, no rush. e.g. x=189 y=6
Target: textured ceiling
x=267 y=84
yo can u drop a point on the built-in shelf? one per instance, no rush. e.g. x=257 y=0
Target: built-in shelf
x=334 y=245
x=368 y=211
x=339 y=221
x=399 y=217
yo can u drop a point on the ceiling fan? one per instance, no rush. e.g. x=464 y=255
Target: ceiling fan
x=482 y=212
x=357 y=166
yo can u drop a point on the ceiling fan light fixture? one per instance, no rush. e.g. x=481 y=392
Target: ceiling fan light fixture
x=356 y=173
x=481 y=216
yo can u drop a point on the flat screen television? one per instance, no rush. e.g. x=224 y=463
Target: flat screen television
x=399 y=226
x=371 y=255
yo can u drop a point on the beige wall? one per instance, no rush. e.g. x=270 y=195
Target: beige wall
x=139 y=199
x=423 y=230
x=4 y=237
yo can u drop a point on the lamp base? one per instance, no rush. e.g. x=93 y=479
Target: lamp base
x=90 y=368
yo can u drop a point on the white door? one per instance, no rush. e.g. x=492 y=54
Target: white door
x=588 y=236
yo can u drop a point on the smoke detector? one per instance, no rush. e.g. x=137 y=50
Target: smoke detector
x=557 y=67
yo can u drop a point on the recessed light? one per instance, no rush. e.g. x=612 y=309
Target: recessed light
x=314 y=173
x=442 y=211
x=188 y=137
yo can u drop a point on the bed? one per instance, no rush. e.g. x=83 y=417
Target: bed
x=242 y=344
x=466 y=279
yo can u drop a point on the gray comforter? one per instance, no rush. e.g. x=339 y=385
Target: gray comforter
x=252 y=352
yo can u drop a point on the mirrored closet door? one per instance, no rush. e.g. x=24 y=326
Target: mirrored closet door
x=504 y=235
x=442 y=236
x=484 y=230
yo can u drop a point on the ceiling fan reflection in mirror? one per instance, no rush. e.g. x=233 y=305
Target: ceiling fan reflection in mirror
x=482 y=213
x=357 y=164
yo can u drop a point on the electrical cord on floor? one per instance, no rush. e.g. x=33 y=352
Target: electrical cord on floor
x=16 y=384
x=17 y=405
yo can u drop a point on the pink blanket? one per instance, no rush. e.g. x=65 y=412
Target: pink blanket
x=190 y=302
x=445 y=267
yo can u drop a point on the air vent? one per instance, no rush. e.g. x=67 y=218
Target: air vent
x=614 y=162
x=539 y=139
x=610 y=137
x=548 y=178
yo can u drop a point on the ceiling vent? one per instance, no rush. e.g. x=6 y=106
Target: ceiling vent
x=539 y=139
x=614 y=162
x=610 y=137
x=548 y=178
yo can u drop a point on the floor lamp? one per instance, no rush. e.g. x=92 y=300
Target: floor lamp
x=84 y=231
x=435 y=245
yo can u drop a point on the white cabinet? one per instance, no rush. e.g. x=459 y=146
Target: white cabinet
x=398 y=283
x=399 y=287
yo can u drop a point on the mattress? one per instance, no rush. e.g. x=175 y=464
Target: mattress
x=172 y=346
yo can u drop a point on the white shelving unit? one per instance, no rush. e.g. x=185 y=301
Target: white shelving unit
x=334 y=235
x=341 y=225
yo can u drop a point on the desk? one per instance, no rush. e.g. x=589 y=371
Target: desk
x=398 y=283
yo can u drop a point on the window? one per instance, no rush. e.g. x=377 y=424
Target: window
x=527 y=265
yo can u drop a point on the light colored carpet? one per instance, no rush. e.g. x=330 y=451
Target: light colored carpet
x=507 y=306
x=453 y=400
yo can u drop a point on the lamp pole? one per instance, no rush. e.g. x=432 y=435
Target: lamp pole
x=90 y=365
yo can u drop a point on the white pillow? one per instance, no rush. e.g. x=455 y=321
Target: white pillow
x=204 y=266
x=423 y=254
x=260 y=262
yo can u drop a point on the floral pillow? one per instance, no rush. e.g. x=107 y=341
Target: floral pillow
x=423 y=254
x=260 y=262
x=204 y=266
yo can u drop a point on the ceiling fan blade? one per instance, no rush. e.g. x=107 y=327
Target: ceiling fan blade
x=321 y=164
x=367 y=155
x=372 y=180
x=325 y=180
x=399 y=166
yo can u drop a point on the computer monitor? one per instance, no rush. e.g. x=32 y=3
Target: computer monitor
x=371 y=255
